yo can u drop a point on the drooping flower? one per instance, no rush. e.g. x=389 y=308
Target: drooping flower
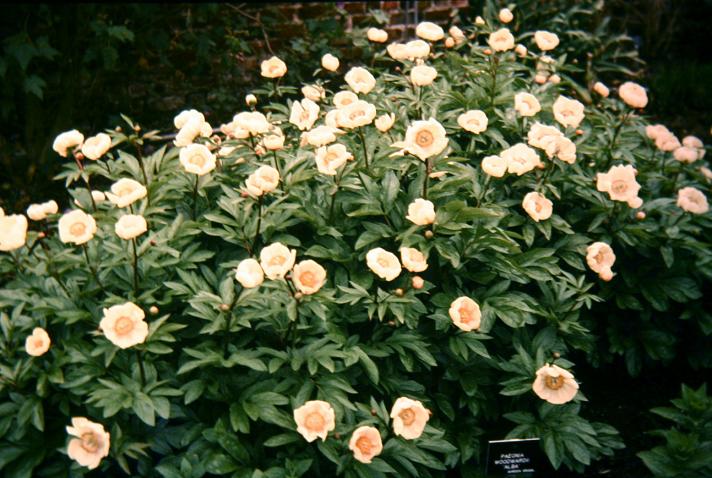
x=130 y=226
x=249 y=273
x=421 y=212
x=413 y=260
x=600 y=258
x=308 y=277
x=537 y=206
x=366 y=444
x=273 y=68
x=197 y=159
x=465 y=313
x=125 y=192
x=620 y=184
x=38 y=343
x=568 y=112
x=360 y=80
x=67 y=140
x=91 y=443
x=315 y=419
x=76 y=227
x=38 y=212
x=124 y=325
x=276 y=260
x=474 y=121
x=555 y=385
x=383 y=263
x=262 y=181
x=692 y=200
x=526 y=104
x=409 y=418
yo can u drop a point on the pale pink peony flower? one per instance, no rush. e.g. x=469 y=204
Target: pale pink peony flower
x=262 y=181
x=692 y=200
x=685 y=154
x=273 y=68
x=329 y=159
x=555 y=385
x=421 y=212
x=655 y=130
x=409 y=418
x=66 y=141
x=501 y=40
x=526 y=104
x=666 y=141
x=330 y=62
x=249 y=273
x=385 y=122
x=383 y=263
x=360 y=80
x=76 y=227
x=344 y=98
x=537 y=206
x=465 y=313
x=356 y=114
x=276 y=260
x=424 y=139
x=366 y=444
x=423 y=75
x=197 y=159
x=304 y=114
x=413 y=260
x=620 y=184
x=377 y=35
x=521 y=50
x=600 y=258
x=633 y=94
x=474 y=121
x=429 y=31
x=91 y=444
x=130 y=226
x=38 y=212
x=568 y=112
x=546 y=40
x=601 y=89
x=38 y=343
x=520 y=159
x=126 y=191
x=96 y=146
x=313 y=92
x=124 y=325
x=308 y=277
x=494 y=166
x=505 y=15
x=315 y=419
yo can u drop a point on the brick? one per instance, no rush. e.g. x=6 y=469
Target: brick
x=388 y=6
x=438 y=16
x=353 y=7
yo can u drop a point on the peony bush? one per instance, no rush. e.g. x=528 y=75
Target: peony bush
x=370 y=274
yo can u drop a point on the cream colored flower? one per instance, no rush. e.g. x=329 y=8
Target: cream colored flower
x=304 y=114
x=383 y=263
x=273 y=68
x=360 y=80
x=98 y=196
x=250 y=100
x=474 y=121
x=600 y=258
x=421 y=212
x=684 y=154
x=561 y=147
x=91 y=444
x=465 y=313
x=423 y=75
x=321 y=135
x=620 y=184
x=126 y=191
x=377 y=35
x=76 y=227
x=124 y=325
x=494 y=166
x=276 y=260
x=385 y=122
x=521 y=50
x=555 y=79
x=540 y=78
x=520 y=159
x=429 y=31
x=666 y=141
x=130 y=226
x=329 y=159
x=13 y=232
x=537 y=206
x=330 y=62
x=526 y=104
x=193 y=124
x=540 y=135
x=601 y=89
x=706 y=172
x=555 y=385
x=695 y=143
x=398 y=51
x=67 y=140
x=185 y=116
x=457 y=35
x=315 y=419
x=633 y=94
x=505 y=15
x=96 y=146
x=253 y=122
x=413 y=260
x=546 y=40
x=366 y=444
x=344 y=98
x=274 y=141
x=501 y=40
x=568 y=112
x=37 y=212
x=314 y=92
x=417 y=49
x=692 y=200
x=249 y=273
x=449 y=42
x=417 y=282
x=359 y=113
x=653 y=131
x=409 y=418
x=264 y=180
x=197 y=159
x=308 y=277
x=38 y=343
x=424 y=139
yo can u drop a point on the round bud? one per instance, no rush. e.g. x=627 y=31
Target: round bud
x=250 y=100
x=449 y=42
x=428 y=234
x=224 y=307
x=244 y=194
x=41 y=235
x=579 y=132
x=298 y=295
x=399 y=292
x=153 y=242
x=79 y=155
x=153 y=310
x=417 y=282
x=556 y=355
x=137 y=127
x=373 y=412
x=640 y=215
x=487 y=51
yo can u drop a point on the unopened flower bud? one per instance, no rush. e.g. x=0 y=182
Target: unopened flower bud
x=245 y=194
x=41 y=235
x=579 y=132
x=137 y=127
x=449 y=42
x=373 y=412
x=417 y=282
x=487 y=51
x=79 y=156
x=399 y=292
x=224 y=307
x=250 y=100
x=640 y=215
x=153 y=242
x=428 y=234
x=153 y=310
x=298 y=295
x=556 y=355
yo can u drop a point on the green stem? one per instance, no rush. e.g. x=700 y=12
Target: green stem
x=363 y=143
x=86 y=181
x=428 y=170
x=195 y=197
x=139 y=157
x=259 y=223
x=494 y=63
x=135 y=268
x=276 y=163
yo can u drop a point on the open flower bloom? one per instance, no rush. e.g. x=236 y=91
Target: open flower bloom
x=249 y=273
x=344 y=98
x=494 y=166
x=474 y=121
x=366 y=444
x=397 y=51
x=520 y=159
x=185 y=116
x=276 y=260
x=555 y=385
x=546 y=40
x=666 y=141
x=521 y=50
x=600 y=258
x=383 y=263
x=308 y=277
x=655 y=130
x=253 y=122
x=193 y=124
x=126 y=191
x=601 y=89
x=315 y=419
x=409 y=418
x=568 y=112
x=561 y=147
x=76 y=227
x=526 y=104
x=91 y=443
x=413 y=259
x=274 y=141
x=360 y=80
x=540 y=135
x=417 y=49
x=38 y=343
x=695 y=143
x=423 y=75
x=421 y=212
x=321 y=135
x=685 y=154
x=358 y=113
x=692 y=200
x=501 y=40
x=465 y=313
x=262 y=181
x=330 y=158
x=633 y=94
x=67 y=140
x=620 y=184
x=385 y=122
x=330 y=62
x=304 y=114
x=96 y=146
x=377 y=35
x=37 y=212
x=313 y=92
x=273 y=68
x=197 y=159
x=457 y=34
x=124 y=326
x=130 y=226
x=429 y=31
x=537 y=206
x=424 y=139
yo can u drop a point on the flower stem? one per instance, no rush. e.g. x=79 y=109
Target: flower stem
x=142 y=372
x=616 y=132
x=259 y=223
x=139 y=157
x=276 y=163
x=428 y=170
x=92 y=268
x=333 y=201
x=86 y=181
x=494 y=63
x=363 y=143
x=195 y=197
x=135 y=268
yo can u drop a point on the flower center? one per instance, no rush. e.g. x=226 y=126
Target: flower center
x=123 y=326
x=39 y=343
x=198 y=160
x=554 y=383
x=537 y=207
x=315 y=422
x=124 y=191
x=90 y=442
x=599 y=257
x=308 y=279
x=408 y=416
x=364 y=445
x=383 y=262
x=77 y=229
x=330 y=157
x=619 y=186
x=424 y=138
x=277 y=260
x=466 y=315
